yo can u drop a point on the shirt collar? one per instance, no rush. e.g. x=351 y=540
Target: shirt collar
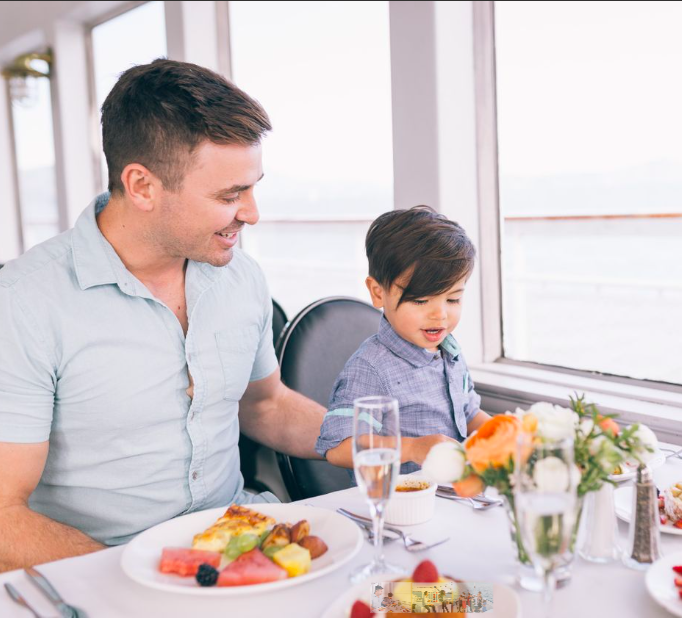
x=417 y=356
x=97 y=263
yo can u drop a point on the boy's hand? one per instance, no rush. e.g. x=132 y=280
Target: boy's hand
x=416 y=449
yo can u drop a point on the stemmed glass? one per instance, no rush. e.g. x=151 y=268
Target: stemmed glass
x=376 y=461
x=545 y=495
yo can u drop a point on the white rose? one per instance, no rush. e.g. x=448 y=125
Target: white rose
x=445 y=462
x=551 y=474
x=554 y=422
x=646 y=438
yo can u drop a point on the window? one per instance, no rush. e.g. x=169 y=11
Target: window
x=35 y=160
x=143 y=30
x=590 y=178
x=321 y=70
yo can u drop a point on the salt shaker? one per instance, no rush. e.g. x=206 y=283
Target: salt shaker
x=644 y=538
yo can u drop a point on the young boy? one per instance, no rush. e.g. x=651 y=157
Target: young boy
x=419 y=263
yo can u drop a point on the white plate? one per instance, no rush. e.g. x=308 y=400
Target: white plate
x=631 y=471
x=506 y=602
x=660 y=582
x=623 y=502
x=140 y=558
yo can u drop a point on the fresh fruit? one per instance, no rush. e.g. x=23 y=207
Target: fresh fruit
x=185 y=562
x=678 y=569
x=425 y=572
x=207 y=575
x=272 y=550
x=680 y=593
x=360 y=610
x=678 y=524
x=251 y=568
x=664 y=520
x=246 y=542
x=294 y=559
x=678 y=582
x=314 y=544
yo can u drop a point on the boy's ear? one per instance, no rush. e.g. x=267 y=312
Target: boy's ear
x=376 y=292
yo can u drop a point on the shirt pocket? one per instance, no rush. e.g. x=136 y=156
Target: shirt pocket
x=237 y=349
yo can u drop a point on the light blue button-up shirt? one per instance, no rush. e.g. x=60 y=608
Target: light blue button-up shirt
x=92 y=362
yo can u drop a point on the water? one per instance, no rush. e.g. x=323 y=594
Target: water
x=376 y=471
x=545 y=524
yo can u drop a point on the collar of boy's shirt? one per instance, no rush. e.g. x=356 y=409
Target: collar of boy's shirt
x=419 y=357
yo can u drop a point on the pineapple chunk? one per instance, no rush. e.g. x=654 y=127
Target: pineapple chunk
x=294 y=559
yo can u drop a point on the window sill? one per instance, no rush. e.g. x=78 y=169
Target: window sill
x=505 y=387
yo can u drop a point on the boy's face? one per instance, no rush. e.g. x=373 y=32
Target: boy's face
x=425 y=322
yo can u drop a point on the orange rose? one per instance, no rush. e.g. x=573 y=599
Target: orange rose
x=494 y=442
x=472 y=485
x=609 y=425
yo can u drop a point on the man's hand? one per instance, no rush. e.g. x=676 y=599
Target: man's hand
x=416 y=449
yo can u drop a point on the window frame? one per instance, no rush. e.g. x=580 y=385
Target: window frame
x=503 y=381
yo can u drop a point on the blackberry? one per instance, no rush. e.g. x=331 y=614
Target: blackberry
x=207 y=575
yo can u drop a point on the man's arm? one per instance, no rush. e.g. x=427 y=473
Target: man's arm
x=29 y=538
x=276 y=416
x=478 y=420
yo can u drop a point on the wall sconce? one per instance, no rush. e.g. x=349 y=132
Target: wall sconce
x=23 y=75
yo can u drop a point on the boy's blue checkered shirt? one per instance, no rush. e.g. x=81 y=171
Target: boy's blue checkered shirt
x=434 y=390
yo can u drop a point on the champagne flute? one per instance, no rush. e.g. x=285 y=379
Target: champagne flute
x=545 y=495
x=376 y=461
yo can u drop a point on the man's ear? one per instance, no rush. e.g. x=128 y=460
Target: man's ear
x=141 y=186
x=376 y=292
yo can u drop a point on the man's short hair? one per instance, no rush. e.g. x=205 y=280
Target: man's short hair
x=157 y=114
x=377 y=587
x=428 y=248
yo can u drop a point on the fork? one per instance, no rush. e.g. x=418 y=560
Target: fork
x=15 y=595
x=477 y=505
x=411 y=545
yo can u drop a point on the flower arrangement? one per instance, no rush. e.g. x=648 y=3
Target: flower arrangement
x=486 y=458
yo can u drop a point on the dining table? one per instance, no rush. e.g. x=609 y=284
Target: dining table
x=479 y=549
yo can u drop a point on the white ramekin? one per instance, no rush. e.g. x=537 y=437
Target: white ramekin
x=411 y=507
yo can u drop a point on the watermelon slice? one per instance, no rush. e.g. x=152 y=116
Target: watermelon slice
x=253 y=567
x=185 y=562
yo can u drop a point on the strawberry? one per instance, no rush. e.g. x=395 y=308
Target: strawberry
x=664 y=519
x=360 y=610
x=426 y=572
x=678 y=569
x=678 y=523
x=678 y=582
x=680 y=593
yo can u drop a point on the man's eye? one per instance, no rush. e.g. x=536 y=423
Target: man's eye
x=231 y=200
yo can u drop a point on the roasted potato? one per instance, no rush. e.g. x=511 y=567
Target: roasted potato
x=278 y=537
x=314 y=544
x=300 y=530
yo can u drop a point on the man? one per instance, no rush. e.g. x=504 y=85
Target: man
x=378 y=597
x=135 y=346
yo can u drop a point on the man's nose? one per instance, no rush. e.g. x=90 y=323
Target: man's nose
x=248 y=211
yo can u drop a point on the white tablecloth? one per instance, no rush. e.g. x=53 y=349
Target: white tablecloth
x=479 y=549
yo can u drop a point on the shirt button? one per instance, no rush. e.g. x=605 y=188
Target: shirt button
x=195 y=475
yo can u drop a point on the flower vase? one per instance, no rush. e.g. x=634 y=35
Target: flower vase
x=526 y=575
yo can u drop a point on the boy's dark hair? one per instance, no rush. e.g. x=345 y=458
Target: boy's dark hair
x=428 y=248
x=158 y=113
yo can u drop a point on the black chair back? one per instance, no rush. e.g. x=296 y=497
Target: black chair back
x=313 y=350
x=279 y=321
